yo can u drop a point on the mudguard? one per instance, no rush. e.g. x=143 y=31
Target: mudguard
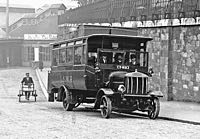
x=156 y=93
x=61 y=91
x=107 y=91
x=100 y=93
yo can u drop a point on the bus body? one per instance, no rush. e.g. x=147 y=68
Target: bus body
x=94 y=68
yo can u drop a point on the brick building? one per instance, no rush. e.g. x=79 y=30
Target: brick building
x=33 y=32
x=15 y=13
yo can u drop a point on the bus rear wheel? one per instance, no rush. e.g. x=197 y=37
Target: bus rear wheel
x=67 y=99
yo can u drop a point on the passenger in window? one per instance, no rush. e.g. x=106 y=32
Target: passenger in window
x=103 y=59
x=77 y=59
x=118 y=59
x=133 y=60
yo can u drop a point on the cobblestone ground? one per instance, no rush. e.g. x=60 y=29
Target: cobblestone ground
x=42 y=119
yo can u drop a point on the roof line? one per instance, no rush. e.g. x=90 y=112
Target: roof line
x=114 y=35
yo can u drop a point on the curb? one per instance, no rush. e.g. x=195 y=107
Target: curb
x=167 y=118
x=179 y=120
x=44 y=90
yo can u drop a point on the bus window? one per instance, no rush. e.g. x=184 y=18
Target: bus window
x=84 y=55
x=55 y=58
x=78 y=51
x=69 y=55
x=134 y=59
x=106 y=57
x=62 y=56
x=144 y=59
x=118 y=58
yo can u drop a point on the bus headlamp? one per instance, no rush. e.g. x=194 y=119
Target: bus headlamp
x=121 y=88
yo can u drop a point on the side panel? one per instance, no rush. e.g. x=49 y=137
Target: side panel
x=61 y=76
x=79 y=77
x=90 y=78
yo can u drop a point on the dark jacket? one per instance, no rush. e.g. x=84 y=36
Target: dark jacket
x=26 y=82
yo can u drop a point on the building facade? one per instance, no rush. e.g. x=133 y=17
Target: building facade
x=10 y=52
x=37 y=30
x=15 y=13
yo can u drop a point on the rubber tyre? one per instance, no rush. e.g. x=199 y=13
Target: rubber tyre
x=19 y=95
x=154 y=108
x=106 y=107
x=67 y=105
x=35 y=98
x=35 y=95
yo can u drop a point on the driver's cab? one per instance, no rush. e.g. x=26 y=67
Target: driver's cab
x=110 y=60
x=130 y=58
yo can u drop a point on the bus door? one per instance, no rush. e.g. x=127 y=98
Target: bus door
x=79 y=68
x=105 y=65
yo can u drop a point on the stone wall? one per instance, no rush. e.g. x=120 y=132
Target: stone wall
x=175 y=56
x=186 y=55
x=158 y=57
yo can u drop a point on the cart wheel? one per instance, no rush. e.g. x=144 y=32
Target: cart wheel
x=35 y=95
x=67 y=101
x=35 y=98
x=19 y=95
x=106 y=107
x=154 y=108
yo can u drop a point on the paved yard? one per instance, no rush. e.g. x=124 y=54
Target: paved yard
x=43 y=119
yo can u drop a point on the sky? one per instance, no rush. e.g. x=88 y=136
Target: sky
x=40 y=3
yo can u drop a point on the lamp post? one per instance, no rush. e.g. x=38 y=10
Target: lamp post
x=7 y=19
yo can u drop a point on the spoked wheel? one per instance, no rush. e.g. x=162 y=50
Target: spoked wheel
x=67 y=105
x=106 y=107
x=19 y=95
x=154 y=108
x=35 y=95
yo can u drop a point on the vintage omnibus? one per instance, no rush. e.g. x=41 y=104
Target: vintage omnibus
x=108 y=70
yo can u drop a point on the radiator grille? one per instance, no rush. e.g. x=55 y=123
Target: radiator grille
x=136 y=85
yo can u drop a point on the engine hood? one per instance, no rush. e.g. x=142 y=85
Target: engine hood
x=117 y=74
x=136 y=74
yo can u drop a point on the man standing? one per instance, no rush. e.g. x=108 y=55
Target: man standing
x=27 y=81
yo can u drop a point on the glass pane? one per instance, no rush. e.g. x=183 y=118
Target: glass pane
x=69 y=55
x=62 y=56
x=106 y=57
x=84 y=55
x=142 y=59
x=78 y=55
x=55 y=57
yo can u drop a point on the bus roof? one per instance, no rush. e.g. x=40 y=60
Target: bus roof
x=106 y=35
